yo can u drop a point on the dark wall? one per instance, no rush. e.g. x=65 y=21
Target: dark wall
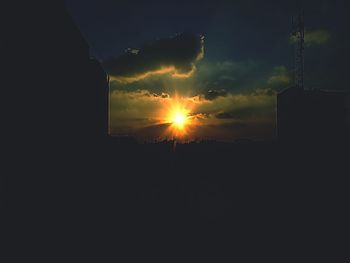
x=311 y=115
x=60 y=93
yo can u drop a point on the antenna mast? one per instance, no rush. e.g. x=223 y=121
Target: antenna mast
x=298 y=34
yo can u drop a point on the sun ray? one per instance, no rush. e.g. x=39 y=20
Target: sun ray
x=177 y=114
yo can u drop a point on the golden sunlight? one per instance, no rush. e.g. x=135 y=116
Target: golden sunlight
x=177 y=113
x=179 y=119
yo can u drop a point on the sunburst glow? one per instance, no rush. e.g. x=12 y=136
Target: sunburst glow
x=179 y=119
x=177 y=113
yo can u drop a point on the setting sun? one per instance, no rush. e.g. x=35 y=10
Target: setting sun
x=180 y=119
x=176 y=112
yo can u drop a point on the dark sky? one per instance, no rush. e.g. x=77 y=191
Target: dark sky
x=238 y=30
x=247 y=48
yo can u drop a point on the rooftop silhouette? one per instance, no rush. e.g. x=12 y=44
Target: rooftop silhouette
x=312 y=115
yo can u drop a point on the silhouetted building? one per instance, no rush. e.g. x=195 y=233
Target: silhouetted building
x=65 y=90
x=308 y=115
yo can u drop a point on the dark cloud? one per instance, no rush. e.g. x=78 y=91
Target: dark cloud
x=212 y=79
x=213 y=94
x=315 y=37
x=162 y=95
x=230 y=75
x=175 y=55
x=265 y=91
x=224 y=115
x=280 y=78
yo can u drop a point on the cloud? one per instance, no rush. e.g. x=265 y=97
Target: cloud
x=229 y=116
x=214 y=78
x=135 y=103
x=229 y=75
x=225 y=115
x=315 y=37
x=175 y=56
x=213 y=94
x=264 y=91
x=162 y=95
x=256 y=105
x=144 y=104
x=280 y=78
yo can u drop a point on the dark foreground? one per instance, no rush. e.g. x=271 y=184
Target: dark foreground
x=256 y=200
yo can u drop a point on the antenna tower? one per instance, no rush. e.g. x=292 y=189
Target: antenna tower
x=298 y=34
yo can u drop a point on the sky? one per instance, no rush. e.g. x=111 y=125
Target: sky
x=208 y=69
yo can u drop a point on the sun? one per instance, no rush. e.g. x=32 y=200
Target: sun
x=179 y=119
x=176 y=113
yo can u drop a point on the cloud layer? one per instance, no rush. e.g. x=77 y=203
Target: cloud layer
x=175 y=56
x=315 y=37
x=227 y=99
x=226 y=117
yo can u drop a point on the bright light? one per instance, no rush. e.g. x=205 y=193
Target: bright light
x=176 y=113
x=179 y=119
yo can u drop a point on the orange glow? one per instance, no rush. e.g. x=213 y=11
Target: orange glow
x=177 y=112
x=179 y=119
x=162 y=71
